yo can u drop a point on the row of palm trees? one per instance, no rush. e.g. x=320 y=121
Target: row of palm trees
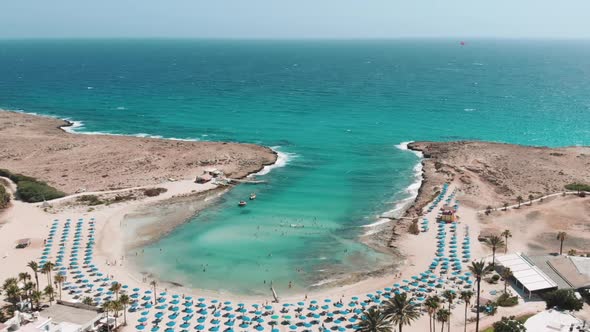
x=23 y=289
x=400 y=310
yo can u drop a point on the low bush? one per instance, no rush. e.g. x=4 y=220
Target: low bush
x=509 y=324
x=4 y=197
x=151 y=192
x=577 y=187
x=495 y=277
x=90 y=200
x=505 y=300
x=563 y=299
x=31 y=190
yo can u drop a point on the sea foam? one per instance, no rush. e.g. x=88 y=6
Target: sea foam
x=283 y=158
x=411 y=191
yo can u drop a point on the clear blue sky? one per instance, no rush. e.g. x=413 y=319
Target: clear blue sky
x=295 y=18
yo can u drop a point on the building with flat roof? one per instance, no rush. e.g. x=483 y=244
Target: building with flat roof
x=546 y=272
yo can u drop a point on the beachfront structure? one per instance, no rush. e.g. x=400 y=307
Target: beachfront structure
x=57 y=318
x=528 y=277
x=554 y=321
x=448 y=214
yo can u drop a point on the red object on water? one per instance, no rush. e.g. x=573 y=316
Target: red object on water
x=462 y=43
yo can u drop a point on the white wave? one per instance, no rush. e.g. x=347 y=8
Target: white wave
x=469 y=109
x=121 y=108
x=411 y=191
x=73 y=128
x=283 y=158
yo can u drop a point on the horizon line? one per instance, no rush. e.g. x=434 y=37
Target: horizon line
x=457 y=38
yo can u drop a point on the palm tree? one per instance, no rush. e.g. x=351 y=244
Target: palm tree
x=28 y=290
x=125 y=300
x=505 y=206
x=59 y=280
x=506 y=273
x=479 y=270
x=88 y=301
x=449 y=295
x=47 y=268
x=561 y=237
x=443 y=316
x=35 y=267
x=531 y=197
x=12 y=291
x=36 y=297
x=24 y=276
x=49 y=291
x=154 y=283
x=401 y=311
x=107 y=306
x=116 y=287
x=495 y=241
x=116 y=306
x=506 y=234
x=374 y=320
x=519 y=200
x=466 y=297
x=432 y=304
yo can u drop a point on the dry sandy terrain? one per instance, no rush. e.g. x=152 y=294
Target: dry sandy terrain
x=36 y=146
x=534 y=228
x=494 y=173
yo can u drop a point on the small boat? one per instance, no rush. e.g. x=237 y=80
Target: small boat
x=242 y=204
x=252 y=196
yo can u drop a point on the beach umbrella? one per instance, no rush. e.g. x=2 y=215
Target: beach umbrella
x=199 y=327
x=155 y=329
x=171 y=323
x=140 y=327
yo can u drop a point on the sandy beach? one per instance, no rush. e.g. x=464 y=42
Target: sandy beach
x=480 y=174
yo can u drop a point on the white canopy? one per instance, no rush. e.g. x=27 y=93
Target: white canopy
x=528 y=275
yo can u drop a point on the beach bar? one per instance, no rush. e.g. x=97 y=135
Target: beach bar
x=528 y=277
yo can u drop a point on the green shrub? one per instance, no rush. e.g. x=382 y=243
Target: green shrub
x=4 y=197
x=151 y=192
x=505 y=300
x=563 y=299
x=90 y=200
x=509 y=324
x=577 y=187
x=31 y=190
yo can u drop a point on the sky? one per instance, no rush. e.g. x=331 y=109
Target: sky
x=299 y=19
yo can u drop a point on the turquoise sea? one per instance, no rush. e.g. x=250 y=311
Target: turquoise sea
x=334 y=109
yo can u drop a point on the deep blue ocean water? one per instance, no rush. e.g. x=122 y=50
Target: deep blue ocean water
x=337 y=109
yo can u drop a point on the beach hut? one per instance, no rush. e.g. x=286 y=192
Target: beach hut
x=448 y=214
